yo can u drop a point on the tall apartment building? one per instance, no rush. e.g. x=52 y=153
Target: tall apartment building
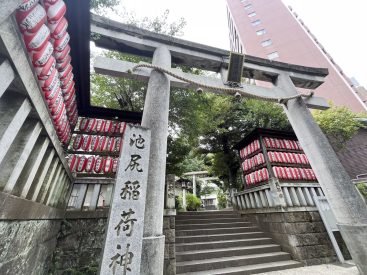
x=269 y=29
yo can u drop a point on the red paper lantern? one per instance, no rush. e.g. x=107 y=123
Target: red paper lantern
x=277 y=143
x=108 y=165
x=99 y=165
x=32 y=19
x=122 y=127
x=86 y=142
x=61 y=66
x=107 y=126
x=61 y=58
x=36 y=41
x=46 y=70
x=61 y=43
x=27 y=5
x=99 y=125
x=115 y=165
x=104 y=144
x=90 y=164
x=55 y=11
x=72 y=162
x=51 y=82
x=111 y=144
x=81 y=163
x=118 y=143
x=272 y=143
x=83 y=124
x=40 y=58
x=78 y=141
x=59 y=28
x=94 y=143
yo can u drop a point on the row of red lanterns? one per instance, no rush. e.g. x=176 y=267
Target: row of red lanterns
x=44 y=31
x=257 y=176
x=280 y=143
x=249 y=149
x=256 y=160
x=95 y=143
x=93 y=125
x=93 y=164
x=294 y=173
x=283 y=157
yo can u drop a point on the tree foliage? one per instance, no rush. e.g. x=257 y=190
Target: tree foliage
x=207 y=190
x=192 y=202
x=339 y=124
x=118 y=92
x=159 y=24
x=222 y=199
x=230 y=120
x=99 y=5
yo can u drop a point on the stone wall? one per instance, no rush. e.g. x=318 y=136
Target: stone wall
x=81 y=239
x=79 y=246
x=302 y=234
x=169 y=247
x=26 y=247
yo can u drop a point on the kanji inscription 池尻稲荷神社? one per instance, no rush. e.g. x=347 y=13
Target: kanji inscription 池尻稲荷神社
x=123 y=245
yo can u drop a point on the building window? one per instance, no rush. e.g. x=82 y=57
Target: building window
x=261 y=32
x=273 y=55
x=256 y=22
x=247 y=7
x=252 y=14
x=266 y=43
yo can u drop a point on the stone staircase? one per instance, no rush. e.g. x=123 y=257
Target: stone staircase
x=221 y=242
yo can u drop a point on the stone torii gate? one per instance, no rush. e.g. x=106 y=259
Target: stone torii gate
x=349 y=209
x=194 y=175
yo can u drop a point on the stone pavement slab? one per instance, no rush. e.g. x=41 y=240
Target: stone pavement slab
x=324 y=269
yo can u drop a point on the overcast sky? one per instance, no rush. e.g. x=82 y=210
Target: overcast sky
x=340 y=26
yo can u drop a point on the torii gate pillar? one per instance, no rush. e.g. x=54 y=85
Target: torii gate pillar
x=155 y=118
x=349 y=209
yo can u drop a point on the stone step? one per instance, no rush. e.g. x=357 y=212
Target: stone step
x=222 y=244
x=215 y=212
x=220 y=237
x=212 y=231
x=234 y=261
x=217 y=216
x=225 y=252
x=184 y=226
x=198 y=221
x=250 y=269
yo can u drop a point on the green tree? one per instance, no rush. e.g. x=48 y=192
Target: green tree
x=118 y=92
x=192 y=202
x=231 y=120
x=98 y=5
x=177 y=150
x=222 y=199
x=159 y=24
x=206 y=190
x=190 y=162
x=339 y=124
